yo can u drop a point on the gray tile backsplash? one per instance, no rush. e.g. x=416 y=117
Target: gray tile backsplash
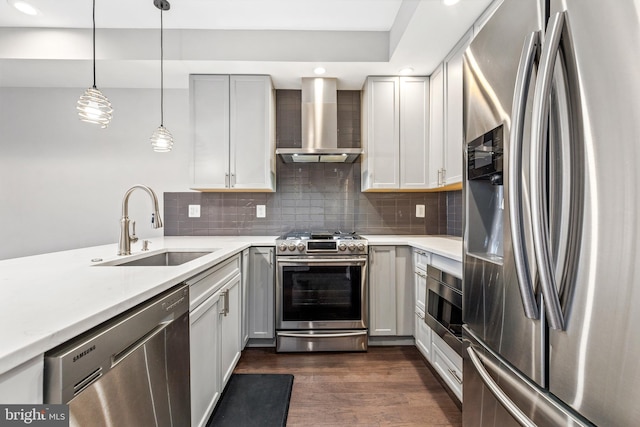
x=454 y=213
x=319 y=196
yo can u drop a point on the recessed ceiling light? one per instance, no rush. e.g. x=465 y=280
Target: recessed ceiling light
x=319 y=70
x=407 y=70
x=450 y=2
x=24 y=7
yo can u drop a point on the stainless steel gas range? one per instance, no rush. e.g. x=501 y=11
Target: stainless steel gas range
x=321 y=292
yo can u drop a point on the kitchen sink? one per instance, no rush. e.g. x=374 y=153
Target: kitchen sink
x=166 y=258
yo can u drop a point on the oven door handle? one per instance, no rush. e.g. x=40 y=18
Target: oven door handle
x=321 y=261
x=321 y=335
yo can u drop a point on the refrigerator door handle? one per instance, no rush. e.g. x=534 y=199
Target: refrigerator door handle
x=495 y=389
x=514 y=180
x=539 y=216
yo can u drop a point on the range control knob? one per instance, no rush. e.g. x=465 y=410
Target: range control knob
x=301 y=247
x=361 y=246
x=352 y=246
x=292 y=246
x=342 y=247
x=282 y=247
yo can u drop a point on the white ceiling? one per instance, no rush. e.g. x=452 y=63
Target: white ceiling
x=283 y=38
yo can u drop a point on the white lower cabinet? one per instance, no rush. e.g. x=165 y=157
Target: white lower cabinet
x=205 y=346
x=390 y=293
x=245 y=297
x=261 y=290
x=422 y=335
x=448 y=363
x=382 y=290
x=215 y=334
x=230 y=327
x=24 y=383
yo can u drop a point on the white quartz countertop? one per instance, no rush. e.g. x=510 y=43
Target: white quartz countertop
x=447 y=246
x=51 y=298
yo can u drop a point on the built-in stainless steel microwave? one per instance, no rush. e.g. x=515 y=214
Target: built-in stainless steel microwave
x=443 y=307
x=484 y=157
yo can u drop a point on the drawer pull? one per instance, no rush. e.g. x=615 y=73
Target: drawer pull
x=455 y=375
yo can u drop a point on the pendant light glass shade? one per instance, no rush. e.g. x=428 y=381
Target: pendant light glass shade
x=161 y=139
x=93 y=106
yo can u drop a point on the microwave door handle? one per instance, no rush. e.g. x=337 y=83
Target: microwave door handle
x=514 y=175
x=539 y=195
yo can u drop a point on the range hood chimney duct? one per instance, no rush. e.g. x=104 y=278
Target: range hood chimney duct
x=319 y=126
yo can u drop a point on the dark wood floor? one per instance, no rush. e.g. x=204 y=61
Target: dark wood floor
x=386 y=386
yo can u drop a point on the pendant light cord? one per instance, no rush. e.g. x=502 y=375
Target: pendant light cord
x=161 y=72
x=94 y=44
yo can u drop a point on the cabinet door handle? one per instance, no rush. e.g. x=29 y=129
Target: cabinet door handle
x=444 y=176
x=222 y=310
x=225 y=303
x=226 y=180
x=233 y=180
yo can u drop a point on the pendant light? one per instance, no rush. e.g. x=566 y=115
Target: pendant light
x=161 y=140
x=93 y=106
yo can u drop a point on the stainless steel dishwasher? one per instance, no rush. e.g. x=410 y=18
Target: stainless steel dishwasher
x=132 y=370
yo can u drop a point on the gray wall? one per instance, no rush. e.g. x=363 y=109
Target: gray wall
x=62 y=180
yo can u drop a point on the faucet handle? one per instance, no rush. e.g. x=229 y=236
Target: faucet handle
x=145 y=245
x=133 y=238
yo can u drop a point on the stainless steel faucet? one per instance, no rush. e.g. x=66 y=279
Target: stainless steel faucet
x=126 y=238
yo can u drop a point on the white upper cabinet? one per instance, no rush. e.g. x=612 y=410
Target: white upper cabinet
x=381 y=134
x=453 y=148
x=395 y=133
x=436 y=131
x=414 y=132
x=233 y=125
x=209 y=97
x=446 y=142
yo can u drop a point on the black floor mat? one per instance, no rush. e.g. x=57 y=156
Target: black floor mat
x=254 y=400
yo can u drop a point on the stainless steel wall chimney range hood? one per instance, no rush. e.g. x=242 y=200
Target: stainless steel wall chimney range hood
x=319 y=126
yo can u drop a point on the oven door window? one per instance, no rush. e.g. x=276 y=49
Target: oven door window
x=321 y=293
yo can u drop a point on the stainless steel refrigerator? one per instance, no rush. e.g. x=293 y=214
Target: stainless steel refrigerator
x=551 y=297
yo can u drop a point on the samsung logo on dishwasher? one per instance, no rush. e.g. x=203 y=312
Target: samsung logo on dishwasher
x=84 y=353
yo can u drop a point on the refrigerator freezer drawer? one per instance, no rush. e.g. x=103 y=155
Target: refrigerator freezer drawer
x=497 y=395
